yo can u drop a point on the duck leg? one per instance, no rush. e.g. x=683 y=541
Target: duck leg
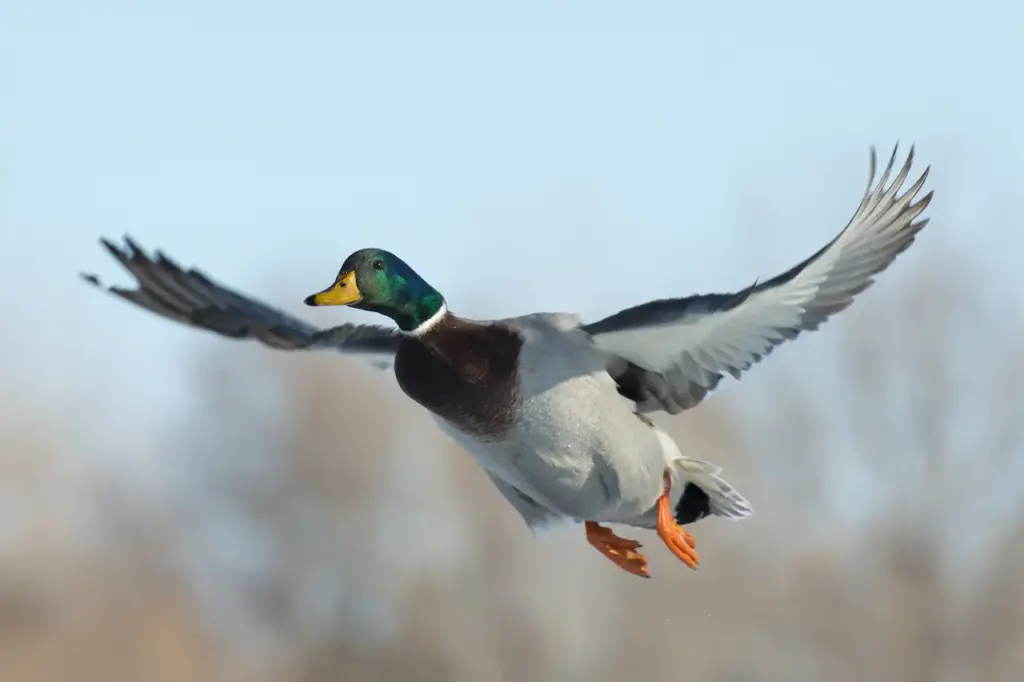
x=621 y=551
x=671 y=533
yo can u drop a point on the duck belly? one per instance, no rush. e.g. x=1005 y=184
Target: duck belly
x=578 y=449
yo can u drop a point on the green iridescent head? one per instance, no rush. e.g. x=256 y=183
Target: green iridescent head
x=380 y=281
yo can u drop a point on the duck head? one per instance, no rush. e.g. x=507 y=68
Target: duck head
x=381 y=282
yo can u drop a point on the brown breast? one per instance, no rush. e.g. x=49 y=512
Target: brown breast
x=465 y=372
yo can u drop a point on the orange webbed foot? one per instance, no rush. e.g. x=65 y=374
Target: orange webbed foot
x=688 y=538
x=621 y=551
x=679 y=542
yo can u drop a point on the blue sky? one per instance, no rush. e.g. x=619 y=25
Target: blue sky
x=521 y=155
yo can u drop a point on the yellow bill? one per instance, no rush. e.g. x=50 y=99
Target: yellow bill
x=342 y=292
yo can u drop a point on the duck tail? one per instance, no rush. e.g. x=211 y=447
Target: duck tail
x=707 y=493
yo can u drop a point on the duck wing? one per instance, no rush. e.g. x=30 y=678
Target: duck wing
x=192 y=298
x=668 y=354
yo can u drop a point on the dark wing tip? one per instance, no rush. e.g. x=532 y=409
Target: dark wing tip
x=132 y=244
x=90 y=279
x=114 y=249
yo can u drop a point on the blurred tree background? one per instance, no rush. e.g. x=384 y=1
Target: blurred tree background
x=315 y=526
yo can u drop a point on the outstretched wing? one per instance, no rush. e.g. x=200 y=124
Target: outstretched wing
x=668 y=354
x=191 y=298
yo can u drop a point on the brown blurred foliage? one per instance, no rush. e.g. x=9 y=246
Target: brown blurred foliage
x=317 y=527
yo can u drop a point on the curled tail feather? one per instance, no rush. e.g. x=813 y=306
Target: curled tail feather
x=707 y=493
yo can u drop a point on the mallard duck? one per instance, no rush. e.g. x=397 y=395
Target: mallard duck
x=554 y=409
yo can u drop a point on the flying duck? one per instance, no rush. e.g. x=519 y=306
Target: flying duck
x=553 y=408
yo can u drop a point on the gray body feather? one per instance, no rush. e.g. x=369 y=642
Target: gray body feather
x=576 y=450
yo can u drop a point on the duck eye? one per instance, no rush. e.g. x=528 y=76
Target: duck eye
x=378 y=264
